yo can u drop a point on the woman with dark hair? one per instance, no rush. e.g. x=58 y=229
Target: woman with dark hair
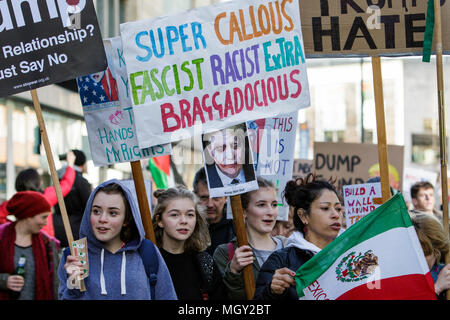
x=182 y=236
x=317 y=220
x=30 y=180
x=260 y=213
x=115 y=236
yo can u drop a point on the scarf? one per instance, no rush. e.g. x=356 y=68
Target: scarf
x=43 y=274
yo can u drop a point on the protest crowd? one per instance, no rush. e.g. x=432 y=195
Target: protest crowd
x=186 y=271
x=246 y=228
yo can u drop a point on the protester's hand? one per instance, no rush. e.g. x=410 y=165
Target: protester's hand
x=15 y=283
x=243 y=256
x=70 y=158
x=443 y=280
x=282 y=279
x=72 y=265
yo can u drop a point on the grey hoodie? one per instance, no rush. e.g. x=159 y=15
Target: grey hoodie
x=120 y=275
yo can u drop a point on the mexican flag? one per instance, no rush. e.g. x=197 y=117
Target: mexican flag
x=377 y=258
x=160 y=169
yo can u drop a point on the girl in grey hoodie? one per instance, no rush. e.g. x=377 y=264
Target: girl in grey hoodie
x=114 y=231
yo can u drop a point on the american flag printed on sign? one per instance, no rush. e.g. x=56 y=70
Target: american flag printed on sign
x=99 y=90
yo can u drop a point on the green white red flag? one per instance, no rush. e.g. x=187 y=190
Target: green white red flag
x=378 y=258
x=160 y=170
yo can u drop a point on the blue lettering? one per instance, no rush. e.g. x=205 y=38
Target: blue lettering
x=171 y=39
x=140 y=45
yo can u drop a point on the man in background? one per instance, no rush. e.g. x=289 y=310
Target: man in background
x=423 y=199
x=75 y=201
x=221 y=230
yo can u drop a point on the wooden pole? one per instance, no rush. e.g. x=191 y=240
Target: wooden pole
x=141 y=194
x=442 y=129
x=54 y=176
x=381 y=128
x=241 y=235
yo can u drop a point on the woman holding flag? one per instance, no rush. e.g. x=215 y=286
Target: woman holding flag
x=317 y=220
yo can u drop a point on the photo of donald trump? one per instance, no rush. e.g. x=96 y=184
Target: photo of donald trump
x=228 y=160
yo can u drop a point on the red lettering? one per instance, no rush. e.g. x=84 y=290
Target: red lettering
x=206 y=108
x=216 y=106
x=228 y=104
x=256 y=94
x=198 y=111
x=167 y=112
x=272 y=90
x=185 y=106
x=248 y=106
x=238 y=107
x=299 y=85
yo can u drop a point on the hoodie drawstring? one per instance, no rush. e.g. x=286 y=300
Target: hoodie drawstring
x=102 y=277
x=123 y=286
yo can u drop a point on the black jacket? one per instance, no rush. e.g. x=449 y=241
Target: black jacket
x=212 y=283
x=75 y=202
x=291 y=258
x=220 y=232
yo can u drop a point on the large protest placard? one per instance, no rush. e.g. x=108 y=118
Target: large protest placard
x=46 y=42
x=359 y=201
x=363 y=27
x=354 y=163
x=273 y=143
x=213 y=67
x=109 y=114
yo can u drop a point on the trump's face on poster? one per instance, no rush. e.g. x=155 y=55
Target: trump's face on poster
x=227 y=149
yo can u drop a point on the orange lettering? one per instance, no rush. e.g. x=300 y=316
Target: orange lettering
x=217 y=28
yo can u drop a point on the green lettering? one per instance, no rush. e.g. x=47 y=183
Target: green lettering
x=197 y=63
x=169 y=92
x=134 y=86
x=158 y=84
x=147 y=88
x=189 y=73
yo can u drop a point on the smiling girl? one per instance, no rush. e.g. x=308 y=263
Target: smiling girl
x=114 y=231
x=260 y=214
x=182 y=236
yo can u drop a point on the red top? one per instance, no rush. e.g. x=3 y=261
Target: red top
x=50 y=194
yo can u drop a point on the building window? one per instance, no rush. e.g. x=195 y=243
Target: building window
x=110 y=14
x=425 y=149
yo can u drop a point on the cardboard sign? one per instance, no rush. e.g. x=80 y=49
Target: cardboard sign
x=273 y=142
x=355 y=163
x=368 y=28
x=46 y=42
x=214 y=67
x=358 y=200
x=301 y=168
x=109 y=115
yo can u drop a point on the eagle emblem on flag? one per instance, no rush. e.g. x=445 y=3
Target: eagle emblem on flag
x=356 y=267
